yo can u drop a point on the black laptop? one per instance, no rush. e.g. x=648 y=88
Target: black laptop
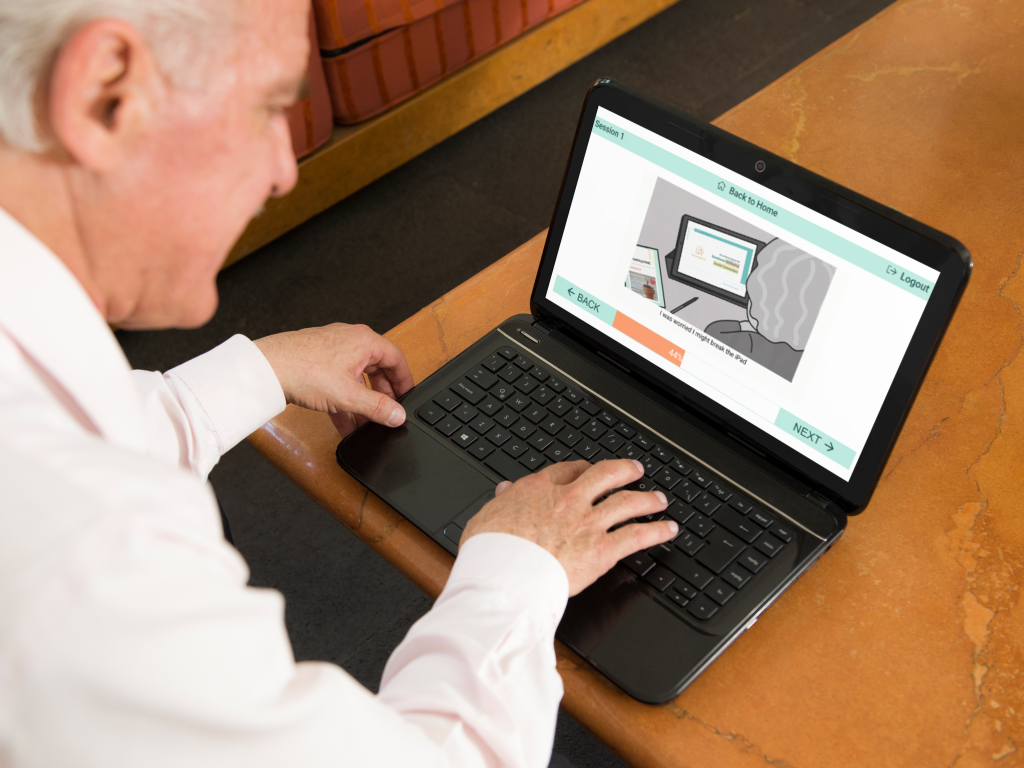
x=764 y=405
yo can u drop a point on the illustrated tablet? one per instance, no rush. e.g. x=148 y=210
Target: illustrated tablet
x=714 y=259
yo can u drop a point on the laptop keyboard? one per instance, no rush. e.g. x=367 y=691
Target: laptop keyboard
x=516 y=418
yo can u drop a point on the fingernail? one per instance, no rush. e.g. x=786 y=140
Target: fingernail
x=661 y=496
x=397 y=416
x=673 y=526
x=638 y=465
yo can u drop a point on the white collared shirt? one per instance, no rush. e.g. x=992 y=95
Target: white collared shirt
x=128 y=636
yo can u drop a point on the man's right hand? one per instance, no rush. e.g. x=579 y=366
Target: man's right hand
x=555 y=509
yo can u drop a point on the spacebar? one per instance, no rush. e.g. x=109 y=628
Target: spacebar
x=506 y=466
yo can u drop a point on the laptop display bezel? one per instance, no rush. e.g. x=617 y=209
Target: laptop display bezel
x=844 y=206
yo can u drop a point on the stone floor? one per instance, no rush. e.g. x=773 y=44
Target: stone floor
x=394 y=247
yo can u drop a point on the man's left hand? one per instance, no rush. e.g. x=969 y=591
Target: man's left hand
x=322 y=369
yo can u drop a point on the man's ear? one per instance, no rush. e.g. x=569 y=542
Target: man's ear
x=102 y=90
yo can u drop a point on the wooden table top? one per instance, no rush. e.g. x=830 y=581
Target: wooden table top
x=903 y=646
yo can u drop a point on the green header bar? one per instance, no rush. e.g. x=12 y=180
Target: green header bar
x=594 y=306
x=819 y=441
x=743 y=198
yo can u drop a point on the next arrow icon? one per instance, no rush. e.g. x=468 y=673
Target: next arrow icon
x=829 y=446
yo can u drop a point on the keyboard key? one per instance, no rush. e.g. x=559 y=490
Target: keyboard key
x=469 y=390
x=625 y=430
x=612 y=441
x=509 y=373
x=630 y=451
x=465 y=413
x=720 y=492
x=506 y=466
x=481 y=449
x=701 y=608
x=464 y=437
x=688 y=543
x=752 y=561
x=573 y=396
x=643 y=485
x=643 y=441
x=736 y=577
x=527 y=384
x=676 y=597
x=651 y=467
x=499 y=436
x=539 y=374
x=508 y=353
x=782 y=532
x=661 y=454
x=660 y=578
x=560 y=407
x=552 y=426
x=720 y=592
x=494 y=363
x=506 y=417
x=585 y=448
x=577 y=418
x=594 y=429
x=558 y=452
x=502 y=391
x=514 y=448
x=523 y=429
x=536 y=414
x=707 y=504
x=741 y=505
x=448 y=426
x=607 y=418
x=532 y=460
x=522 y=363
x=680 y=466
x=590 y=407
x=543 y=395
x=453 y=532
x=489 y=405
x=679 y=512
x=602 y=455
x=760 y=517
x=700 y=525
x=555 y=384
x=667 y=479
x=768 y=545
x=482 y=377
x=447 y=400
x=720 y=549
x=540 y=440
x=732 y=521
x=701 y=478
x=684 y=589
x=570 y=437
x=518 y=402
x=639 y=563
x=687 y=491
x=671 y=558
x=431 y=413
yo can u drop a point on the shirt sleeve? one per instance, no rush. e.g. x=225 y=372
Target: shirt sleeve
x=198 y=411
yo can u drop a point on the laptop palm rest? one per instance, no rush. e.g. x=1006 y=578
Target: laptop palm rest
x=406 y=467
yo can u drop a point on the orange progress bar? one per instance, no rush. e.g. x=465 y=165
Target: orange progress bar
x=648 y=338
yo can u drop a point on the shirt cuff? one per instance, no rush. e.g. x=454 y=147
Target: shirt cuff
x=524 y=570
x=236 y=387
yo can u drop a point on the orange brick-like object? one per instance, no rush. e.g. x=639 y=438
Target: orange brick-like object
x=367 y=79
x=309 y=119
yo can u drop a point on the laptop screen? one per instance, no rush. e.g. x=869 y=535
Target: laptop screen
x=791 y=321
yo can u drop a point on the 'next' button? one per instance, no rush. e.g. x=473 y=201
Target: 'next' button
x=805 y=433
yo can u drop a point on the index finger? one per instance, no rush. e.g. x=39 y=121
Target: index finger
x=390 y=360
x=608 y=475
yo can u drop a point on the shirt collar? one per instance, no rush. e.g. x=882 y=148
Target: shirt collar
x=51 y=317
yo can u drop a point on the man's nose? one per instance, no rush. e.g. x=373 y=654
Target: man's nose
x=286 y=171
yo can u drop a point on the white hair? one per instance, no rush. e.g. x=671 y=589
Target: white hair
x=181 y=34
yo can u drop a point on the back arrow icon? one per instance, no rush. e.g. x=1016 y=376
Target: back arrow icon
x=570 y=292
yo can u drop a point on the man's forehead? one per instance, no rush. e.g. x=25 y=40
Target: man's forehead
x=275 y=34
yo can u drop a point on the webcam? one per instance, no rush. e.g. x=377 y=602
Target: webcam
x=759 y=166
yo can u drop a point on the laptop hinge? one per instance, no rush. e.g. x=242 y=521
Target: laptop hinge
x=541 y=326
x=820 y=500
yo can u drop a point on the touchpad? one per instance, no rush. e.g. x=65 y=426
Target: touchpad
x=407 y=468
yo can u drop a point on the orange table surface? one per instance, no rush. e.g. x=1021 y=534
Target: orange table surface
x=904 y=645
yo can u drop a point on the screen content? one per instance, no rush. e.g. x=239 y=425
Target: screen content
x=793 y=322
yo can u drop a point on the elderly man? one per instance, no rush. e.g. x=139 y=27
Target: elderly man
x=138 y=138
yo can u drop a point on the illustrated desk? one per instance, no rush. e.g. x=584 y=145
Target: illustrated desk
x=904 y=645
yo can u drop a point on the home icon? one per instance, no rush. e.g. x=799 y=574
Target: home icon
x=721 y=186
